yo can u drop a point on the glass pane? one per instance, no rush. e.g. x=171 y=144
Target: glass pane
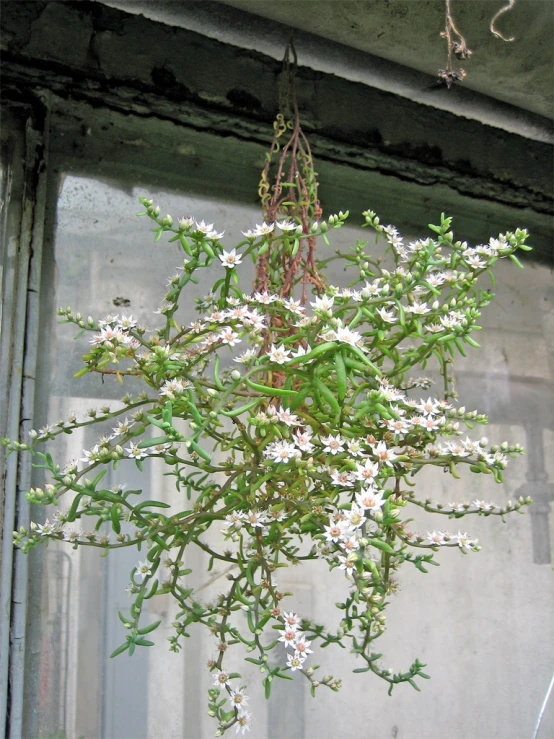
x=462 y=619
x=106 y=262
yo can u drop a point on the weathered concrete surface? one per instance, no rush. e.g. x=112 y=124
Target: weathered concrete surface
x=206 y=85
x=341 y=54
x=519 y=72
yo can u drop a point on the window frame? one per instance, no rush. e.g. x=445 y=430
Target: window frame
x=24 y=143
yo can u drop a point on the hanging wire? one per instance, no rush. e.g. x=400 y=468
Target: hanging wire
x=291 y=193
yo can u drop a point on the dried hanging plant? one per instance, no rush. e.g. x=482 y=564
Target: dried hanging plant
x=457 y=45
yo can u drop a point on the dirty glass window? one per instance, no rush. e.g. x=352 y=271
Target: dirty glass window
x=105 y=262
x=466 y=620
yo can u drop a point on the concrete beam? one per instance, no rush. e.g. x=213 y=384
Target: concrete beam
x=191 y=80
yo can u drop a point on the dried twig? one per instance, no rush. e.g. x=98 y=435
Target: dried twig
x=509 y=5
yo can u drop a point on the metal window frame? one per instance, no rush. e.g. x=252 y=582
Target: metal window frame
x=26 y=141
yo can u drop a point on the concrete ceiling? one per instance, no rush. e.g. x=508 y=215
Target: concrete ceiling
x=408 y=32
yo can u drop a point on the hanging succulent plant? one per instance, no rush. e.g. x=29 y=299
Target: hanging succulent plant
x=307 y=450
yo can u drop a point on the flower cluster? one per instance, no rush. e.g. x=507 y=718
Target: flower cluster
x=293 y=638
x=285 y=415
x=238 y=699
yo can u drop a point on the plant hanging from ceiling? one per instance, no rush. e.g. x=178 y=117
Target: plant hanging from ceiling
x=307 y=448
x=457 y=45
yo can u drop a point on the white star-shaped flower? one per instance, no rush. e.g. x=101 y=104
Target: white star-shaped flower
x=230 y=259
